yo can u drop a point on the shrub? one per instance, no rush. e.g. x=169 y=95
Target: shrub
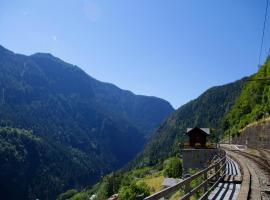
x=173 y=168
x=134 y=192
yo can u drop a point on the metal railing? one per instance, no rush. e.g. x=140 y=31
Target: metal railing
x=219 y=169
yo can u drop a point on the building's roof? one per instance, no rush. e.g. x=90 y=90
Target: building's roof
x=206 y=130
x=168 y=182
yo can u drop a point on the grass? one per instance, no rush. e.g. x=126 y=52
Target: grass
x=263 y=120
x=153 y=181
x=176 y=196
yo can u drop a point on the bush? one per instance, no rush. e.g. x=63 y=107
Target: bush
x=173 y=168
x=134 y=192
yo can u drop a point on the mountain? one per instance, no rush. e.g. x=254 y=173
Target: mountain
x=207 y=110
x=253 y=103
x=64 y=128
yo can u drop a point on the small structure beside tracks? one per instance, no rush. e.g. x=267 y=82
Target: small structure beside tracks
x=197 y=154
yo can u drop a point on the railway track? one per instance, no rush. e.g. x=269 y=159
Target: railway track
x=256 y=170
x=267 y=150
x=262 y=161
x=265 y=154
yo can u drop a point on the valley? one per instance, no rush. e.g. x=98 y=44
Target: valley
x=134 y=100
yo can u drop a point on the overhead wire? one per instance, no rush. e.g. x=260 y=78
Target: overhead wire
x=263 y=33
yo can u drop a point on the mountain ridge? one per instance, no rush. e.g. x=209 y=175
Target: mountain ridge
x=64 y=106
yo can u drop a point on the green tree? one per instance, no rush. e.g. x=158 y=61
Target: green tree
x=173 y=167
x=134 y=192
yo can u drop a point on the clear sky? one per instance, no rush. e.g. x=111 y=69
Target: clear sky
x=173 y=49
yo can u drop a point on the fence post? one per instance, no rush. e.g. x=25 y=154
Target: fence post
x=216 y=170
x=224 y=166
x=206 y=184
x=187 y=189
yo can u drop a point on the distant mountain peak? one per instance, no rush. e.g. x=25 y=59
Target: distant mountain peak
x=46 y=55
x=4 y=50
x=40 y=54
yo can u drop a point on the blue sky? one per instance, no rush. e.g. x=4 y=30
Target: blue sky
x=173 y=49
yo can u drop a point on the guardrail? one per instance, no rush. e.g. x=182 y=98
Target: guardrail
x=217 y=169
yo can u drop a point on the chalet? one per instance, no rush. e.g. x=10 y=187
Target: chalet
x=197 y=136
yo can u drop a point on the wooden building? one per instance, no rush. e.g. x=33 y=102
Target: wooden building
x=198 y=136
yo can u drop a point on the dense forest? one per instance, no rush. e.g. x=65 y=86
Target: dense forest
x=34 y=167
x=253 y=103
x=61 y=128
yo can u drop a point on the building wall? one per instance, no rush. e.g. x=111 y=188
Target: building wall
x=197 y=158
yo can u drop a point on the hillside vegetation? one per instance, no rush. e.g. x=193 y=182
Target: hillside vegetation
x=35 y=168
x=130 y=185
x=253 y=103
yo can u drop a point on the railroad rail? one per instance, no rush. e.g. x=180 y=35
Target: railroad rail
x=212 y=174
x=265 y=154
x=263 y=162
x=256 y=166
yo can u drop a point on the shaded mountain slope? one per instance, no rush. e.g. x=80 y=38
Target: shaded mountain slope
x=66 y=108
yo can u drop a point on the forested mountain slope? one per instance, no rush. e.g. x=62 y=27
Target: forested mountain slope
x=207 y=110
x=253 y=103
x=95 y=126
x=31 y=167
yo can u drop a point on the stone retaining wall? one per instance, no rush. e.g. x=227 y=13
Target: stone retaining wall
x=255 y=136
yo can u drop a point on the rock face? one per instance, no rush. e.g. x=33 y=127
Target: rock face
x=255 y=136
